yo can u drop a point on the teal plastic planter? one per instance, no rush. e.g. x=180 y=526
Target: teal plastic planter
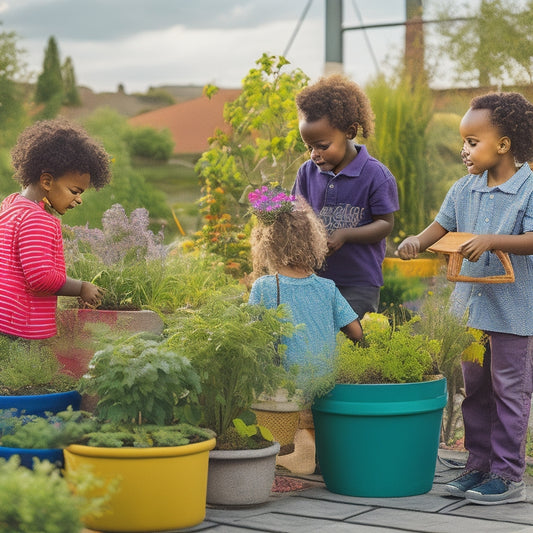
x=379 y=440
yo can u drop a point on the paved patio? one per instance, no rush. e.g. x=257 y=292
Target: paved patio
x=315 y=509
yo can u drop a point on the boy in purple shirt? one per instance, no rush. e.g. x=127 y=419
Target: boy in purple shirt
x=353 y=193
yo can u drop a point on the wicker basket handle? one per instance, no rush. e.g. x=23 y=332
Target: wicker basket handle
x=450 y=245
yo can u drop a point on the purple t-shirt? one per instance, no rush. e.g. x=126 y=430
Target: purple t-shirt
x=364 y=188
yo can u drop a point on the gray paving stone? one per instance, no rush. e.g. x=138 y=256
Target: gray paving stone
x=284 y=523
x=432 y=501
x=514 y=512
x=431 y=522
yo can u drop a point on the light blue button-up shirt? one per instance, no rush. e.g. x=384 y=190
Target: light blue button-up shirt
x=472 y=206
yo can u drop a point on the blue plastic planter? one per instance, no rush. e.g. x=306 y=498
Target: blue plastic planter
x=39 y=404
x=54 y=455
x=379 y=440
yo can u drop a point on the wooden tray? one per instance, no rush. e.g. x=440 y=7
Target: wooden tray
x=450 y=245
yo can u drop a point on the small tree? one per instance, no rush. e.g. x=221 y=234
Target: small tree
x=12 y=113
x=150 y=143
x=491 y=45
x=72 y=95
x=49 y=89
x=264 y=145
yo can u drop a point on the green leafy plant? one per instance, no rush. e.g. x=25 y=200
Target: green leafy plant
x=139 y=379
x=245 y=434
x=389 y=353
x=134 y=267
x=37 y=500
x=233 y=347
x=35 y=432
x=30 y=367
x=41 y=500
x=263 y=145
x=142 y=386
x=117 y=436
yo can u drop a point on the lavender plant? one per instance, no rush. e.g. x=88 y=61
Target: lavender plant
x=125 y=258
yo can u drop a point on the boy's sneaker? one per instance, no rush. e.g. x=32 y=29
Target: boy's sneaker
x=497 y=490
x=466 y=481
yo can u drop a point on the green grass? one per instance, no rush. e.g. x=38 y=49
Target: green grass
x=179 y=182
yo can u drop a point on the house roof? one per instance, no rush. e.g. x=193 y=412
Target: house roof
x=192 y=122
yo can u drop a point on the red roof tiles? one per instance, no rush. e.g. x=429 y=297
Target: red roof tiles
x=192 y=122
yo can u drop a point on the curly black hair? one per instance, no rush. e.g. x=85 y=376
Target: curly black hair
x=57 y=146
x=338 y=99
x=512 y=114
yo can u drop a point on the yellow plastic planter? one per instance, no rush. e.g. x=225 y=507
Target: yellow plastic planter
x=160 y=489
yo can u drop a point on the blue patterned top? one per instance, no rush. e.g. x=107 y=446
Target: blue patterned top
x=474 y=207
x=314 y=302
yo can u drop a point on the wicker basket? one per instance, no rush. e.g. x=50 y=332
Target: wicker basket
x=283 y=425
x=280 y=415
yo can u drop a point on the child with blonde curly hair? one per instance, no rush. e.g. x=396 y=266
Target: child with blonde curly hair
x=289 y=244
x=354 y=194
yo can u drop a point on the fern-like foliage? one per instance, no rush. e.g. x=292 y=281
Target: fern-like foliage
x=140 y=379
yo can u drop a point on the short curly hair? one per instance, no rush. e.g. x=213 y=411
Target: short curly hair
x=296 y=239
x=338 y=99
x=512 y=114
x=57 y=146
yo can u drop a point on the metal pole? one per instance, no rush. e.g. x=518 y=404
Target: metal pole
x=334 y=52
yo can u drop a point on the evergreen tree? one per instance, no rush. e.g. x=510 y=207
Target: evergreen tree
x=71 y=94
x=12 y=112
x=49 y=90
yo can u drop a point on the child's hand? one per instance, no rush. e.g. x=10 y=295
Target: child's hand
x=91 y=294
x=336 y=240
x=408 y=248
x=473 y=248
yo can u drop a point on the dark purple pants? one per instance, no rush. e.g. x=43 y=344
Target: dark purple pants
x=497 y=404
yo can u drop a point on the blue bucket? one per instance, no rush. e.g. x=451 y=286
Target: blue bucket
x=39 y=404
x=54 y=455
x=379 y=440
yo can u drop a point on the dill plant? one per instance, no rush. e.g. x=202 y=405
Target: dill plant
x=234 y=348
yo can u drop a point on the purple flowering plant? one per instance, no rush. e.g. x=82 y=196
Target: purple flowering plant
x=125 y=258
x=267 y=203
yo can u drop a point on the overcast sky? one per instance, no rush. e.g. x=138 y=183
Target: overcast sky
x=143 y=43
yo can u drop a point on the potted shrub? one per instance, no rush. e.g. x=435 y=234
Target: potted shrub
x=233 y=347
x=377 y=431
x=32 y=380
x=41 y=437
x=141 y=384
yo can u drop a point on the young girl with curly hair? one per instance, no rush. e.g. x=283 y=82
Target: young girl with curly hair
x=55 y=162
x=353 y=193
x=494 y=202
x=289 y=244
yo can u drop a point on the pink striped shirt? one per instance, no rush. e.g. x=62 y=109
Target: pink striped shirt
x=32 y=268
